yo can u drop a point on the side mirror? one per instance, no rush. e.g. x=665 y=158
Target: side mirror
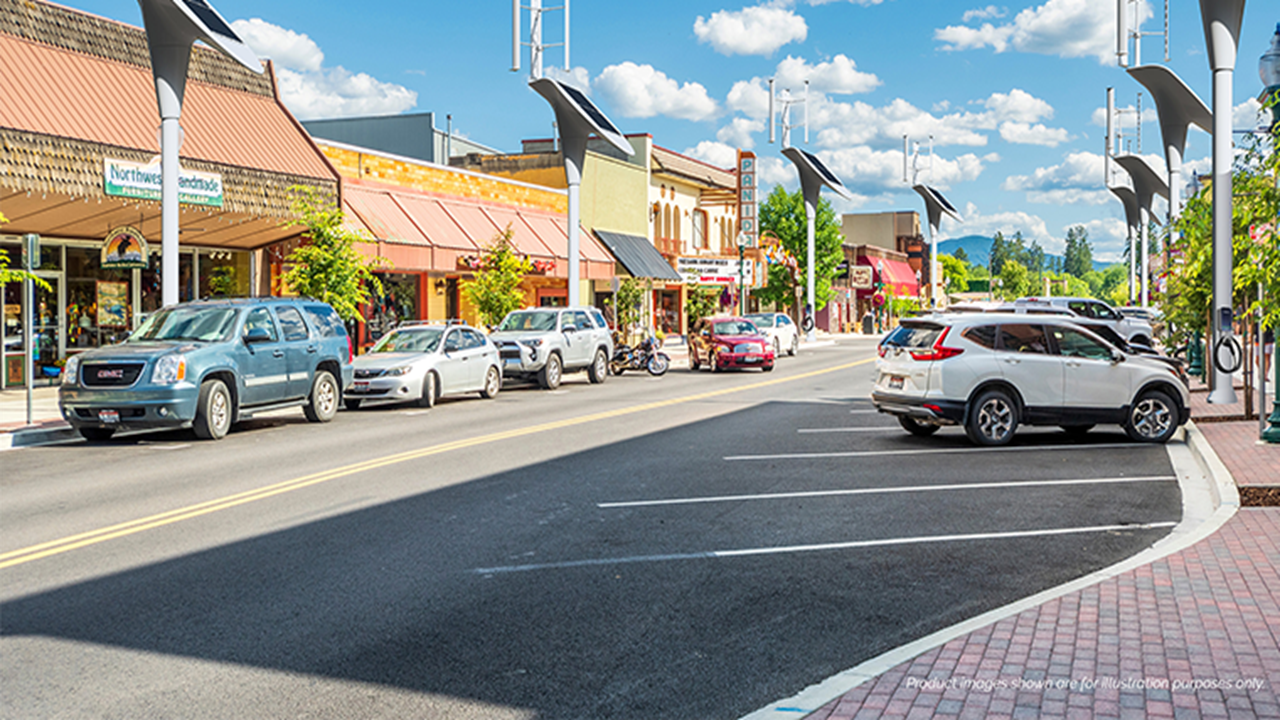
x=256 y=335
x=1117 y=357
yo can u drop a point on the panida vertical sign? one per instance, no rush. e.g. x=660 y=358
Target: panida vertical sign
x=121 y=178
x=747 y=221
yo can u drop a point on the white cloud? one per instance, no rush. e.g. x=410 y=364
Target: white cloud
x=1077 y=180
x=838 y=76
x=1245 y=115
x=311 y=90
x=716 y=153
x=1107 y=236
x=870 y=172
x=758 y=30
x=1031 y=226
x=287 y=48
x=986 y=13
x=1018 y=106
x=1026 y=134
x=1066 y=28
x=578 y=77
x=749 y=97
x=642 y=91
x=738 y=133
x=1126 y=117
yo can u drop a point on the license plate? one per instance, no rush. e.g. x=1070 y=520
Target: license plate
x=512 y=361
x=361 y=384
x=750 y=359
x=895 y=383
x=109 y=416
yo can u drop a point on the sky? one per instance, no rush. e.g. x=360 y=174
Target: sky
x=1011 y=97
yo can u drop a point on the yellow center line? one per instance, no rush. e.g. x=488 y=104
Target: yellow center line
x=111 y=532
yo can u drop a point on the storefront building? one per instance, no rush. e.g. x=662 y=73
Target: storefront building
x=431 y=225
x=79 y=168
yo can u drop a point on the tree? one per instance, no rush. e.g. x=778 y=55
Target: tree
x=1015 y=280
x=700 y=301
x=999 y=253
x=629 y=301
x=495 y=290
x=1077 y=259
x=782 y=214
x=327 y=266
x=955 y=272
x=961 y=255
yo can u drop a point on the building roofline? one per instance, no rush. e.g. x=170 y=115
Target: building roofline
x=437 y=166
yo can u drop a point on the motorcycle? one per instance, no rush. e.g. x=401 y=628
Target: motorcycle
x=644 y=356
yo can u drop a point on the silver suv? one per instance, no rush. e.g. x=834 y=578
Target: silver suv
x=1134 y=330
x=545 y=343
x=991 y=372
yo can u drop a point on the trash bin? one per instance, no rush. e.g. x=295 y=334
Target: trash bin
x=868 y=324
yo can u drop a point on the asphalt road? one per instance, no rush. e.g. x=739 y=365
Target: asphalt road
x=694 y=546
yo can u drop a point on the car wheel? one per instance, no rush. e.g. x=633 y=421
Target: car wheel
x=492 y=383
x=1076 y=431
x=430 y=391
x=96 y=433
x=1153 y=418
x=599 y=369
x=795 y=345
x=213 y=411
x=549 y=375
x=993 y=418
x=351 y=404
x=766 y=368
x=693 y=361
x=917 y=428
x=322 y=404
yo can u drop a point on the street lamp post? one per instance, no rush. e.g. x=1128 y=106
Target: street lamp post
x=1221 y=20
x=814 y=176
x=1269 y=71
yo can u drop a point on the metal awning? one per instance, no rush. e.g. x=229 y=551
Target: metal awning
x=638 y=256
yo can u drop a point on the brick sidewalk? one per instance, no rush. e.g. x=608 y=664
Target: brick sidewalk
x=1208 y=614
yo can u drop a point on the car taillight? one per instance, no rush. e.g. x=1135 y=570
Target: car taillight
x=351 y=353
x=938 y=351
x=882 y=350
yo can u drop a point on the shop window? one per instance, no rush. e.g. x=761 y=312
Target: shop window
x=700 y=238
x=223 y=273
x=399 y=302
x=666 y=221
x=676 y=223
x=99 y=309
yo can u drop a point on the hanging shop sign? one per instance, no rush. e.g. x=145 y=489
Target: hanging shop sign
x=860 y=277
x=141 y=181
x=124 y=249
x=714 y=270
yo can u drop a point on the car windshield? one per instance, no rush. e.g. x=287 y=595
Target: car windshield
x=913 y=335
x=734 y=327
x=202 y=324
x=761 y=321
x=531 y=320
x=423 y=341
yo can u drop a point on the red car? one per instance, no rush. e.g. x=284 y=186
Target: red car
x=729 y=342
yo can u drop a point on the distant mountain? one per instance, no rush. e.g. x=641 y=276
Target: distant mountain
x=978 y=248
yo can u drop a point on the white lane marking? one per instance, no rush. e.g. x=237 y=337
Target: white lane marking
x=853 y=545
x=864 y=412
x=414 y=412
x=935 y=451
x=849 y=429
x=886 y=490
x=167 y=447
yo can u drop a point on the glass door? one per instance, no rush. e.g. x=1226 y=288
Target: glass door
x=49 y=333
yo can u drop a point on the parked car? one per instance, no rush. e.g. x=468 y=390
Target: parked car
x=779 y=328
x=992 y=372
x=1104 y=331
x=721 y=343
x=421 y=362
x=1132 y=329
x=209 y=364
x=545 y=343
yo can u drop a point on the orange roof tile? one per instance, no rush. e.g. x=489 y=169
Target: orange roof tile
x=52 y=91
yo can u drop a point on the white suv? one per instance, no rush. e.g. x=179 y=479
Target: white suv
x=991 y=372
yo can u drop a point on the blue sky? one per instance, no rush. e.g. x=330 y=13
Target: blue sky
x=1013 y=94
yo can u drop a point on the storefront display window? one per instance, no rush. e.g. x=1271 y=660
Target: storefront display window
x=151 y=292
x=399 y=302
x=99 y=309
x=223 y=273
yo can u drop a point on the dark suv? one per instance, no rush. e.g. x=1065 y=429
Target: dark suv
x=210 y=363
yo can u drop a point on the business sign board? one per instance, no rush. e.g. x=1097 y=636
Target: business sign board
x=124 y=248
x=860 y=277
x=139 y=181
x=714 y=270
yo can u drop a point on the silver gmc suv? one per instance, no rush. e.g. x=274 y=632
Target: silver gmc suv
x=545 y=343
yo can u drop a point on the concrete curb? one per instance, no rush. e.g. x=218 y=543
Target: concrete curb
x=1209 y=499
x=34 y=437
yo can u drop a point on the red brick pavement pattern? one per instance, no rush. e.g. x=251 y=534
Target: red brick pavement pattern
x=1208 y=615
x=1236 y=443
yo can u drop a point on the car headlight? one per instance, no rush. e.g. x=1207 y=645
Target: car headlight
x=533 y=342
x=169 y=369
x=71 y=372
x=398 y=371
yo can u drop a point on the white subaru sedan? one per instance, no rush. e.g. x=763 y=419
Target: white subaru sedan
x=992 y=372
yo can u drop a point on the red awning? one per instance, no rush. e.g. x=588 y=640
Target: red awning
x=896 y=276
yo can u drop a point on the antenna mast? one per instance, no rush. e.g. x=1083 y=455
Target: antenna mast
x=1129 y=27
x=784 y=117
